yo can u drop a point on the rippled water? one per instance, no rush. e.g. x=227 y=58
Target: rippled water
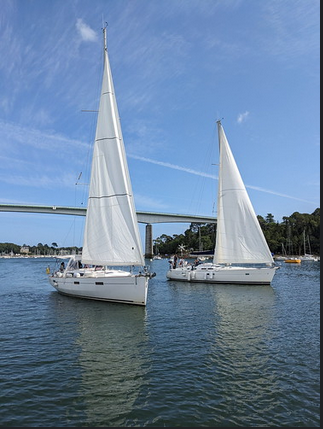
x=197 y=355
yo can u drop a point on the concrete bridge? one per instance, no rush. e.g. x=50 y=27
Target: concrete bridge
x=147 y=218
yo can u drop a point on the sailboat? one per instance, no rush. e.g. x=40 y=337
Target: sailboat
x=111 y=241
x=308 y=256
x=241 y=254
x=291 y=259
x=283 y=256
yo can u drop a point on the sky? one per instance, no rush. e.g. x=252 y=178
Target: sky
x=178 y=66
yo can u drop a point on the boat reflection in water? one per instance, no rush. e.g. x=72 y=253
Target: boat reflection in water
x=243 y=341
x=238 y=348
x=109 y=339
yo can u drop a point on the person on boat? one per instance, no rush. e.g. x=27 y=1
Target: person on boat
x=182 y=263
x=196 y=262
x=62 y=267
x=175 y=261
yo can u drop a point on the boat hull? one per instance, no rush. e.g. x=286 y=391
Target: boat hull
x=210 y=273
x=114 y=286
x=310 y=258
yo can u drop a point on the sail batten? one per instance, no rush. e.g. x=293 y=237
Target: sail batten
x=110 y=196
x=107 y=138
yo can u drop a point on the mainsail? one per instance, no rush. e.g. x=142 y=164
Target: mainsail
x=111 y=234
x=239 y=237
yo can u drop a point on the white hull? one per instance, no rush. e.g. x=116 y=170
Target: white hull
x=309 y=258
x=111 y=285
x=211 y=273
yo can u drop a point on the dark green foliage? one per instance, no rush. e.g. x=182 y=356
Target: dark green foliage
x=289 y=232
x=8 y=248
x=40 y=249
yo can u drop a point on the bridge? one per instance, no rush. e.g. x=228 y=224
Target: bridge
x=147 y=218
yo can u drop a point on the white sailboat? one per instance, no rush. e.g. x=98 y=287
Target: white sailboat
x=111 y=237
x=308 y=256
x=291 y=258
x=241 y=254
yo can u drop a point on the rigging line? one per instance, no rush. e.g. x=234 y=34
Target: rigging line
x=76 y=183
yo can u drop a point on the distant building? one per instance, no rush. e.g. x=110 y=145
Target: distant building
x=24 y=249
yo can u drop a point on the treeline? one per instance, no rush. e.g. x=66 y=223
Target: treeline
x=290 y=234
x=40 y=249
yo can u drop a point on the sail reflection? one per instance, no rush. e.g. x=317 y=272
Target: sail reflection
x=107 y=337
x=242 y=350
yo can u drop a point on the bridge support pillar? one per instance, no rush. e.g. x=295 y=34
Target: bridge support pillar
x=149 y=241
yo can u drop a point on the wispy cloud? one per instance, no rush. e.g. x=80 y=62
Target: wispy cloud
x=39 y=139
x=143 y=200
x=297 y=36
x=86 y=32
x=41 y=157
x=40 y=181
x=210 y=176
x=173 y=166
x=279 y=194
x=242 y=117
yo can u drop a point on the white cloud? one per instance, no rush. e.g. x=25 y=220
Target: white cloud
x=242 y=117
x=86 y=33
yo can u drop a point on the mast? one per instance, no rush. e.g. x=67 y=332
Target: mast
x=105 y=45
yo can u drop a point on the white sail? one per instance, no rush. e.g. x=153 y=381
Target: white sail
x=239 y=237
x=111 y=234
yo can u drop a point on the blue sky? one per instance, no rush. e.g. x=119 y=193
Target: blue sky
x=178 y=66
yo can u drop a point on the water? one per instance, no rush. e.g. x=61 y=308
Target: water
x=196 y=355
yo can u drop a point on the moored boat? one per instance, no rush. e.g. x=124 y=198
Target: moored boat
x=241 y=254
x=291 y=260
